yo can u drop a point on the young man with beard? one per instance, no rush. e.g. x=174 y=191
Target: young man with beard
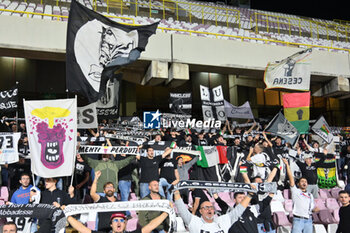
x=303 y=204
x=109 y=190
x=145 y=217
x=208 y=222
x=344 y=212
x=118 y=222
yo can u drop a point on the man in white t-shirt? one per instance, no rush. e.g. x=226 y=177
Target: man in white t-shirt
x=303 y=204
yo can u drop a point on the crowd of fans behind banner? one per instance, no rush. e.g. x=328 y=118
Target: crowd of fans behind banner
x=253 y=157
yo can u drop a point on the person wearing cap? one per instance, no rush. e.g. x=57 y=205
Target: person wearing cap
x=309 y=171
x=118 y=223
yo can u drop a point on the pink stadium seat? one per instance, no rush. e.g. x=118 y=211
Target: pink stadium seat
x=326 y=217
x=4 y=193
x=288 y=205
x=2 y=202
x=280 y=219
x=332 y=204
x=225 y=196
x=336 y=215
x=335 y=192
x=315 y=218
x=320 y=204
x=132 y=224
x=286 y=194
x=133 y=197
x=324 y=194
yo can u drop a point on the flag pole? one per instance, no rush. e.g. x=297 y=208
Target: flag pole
x=17 y=108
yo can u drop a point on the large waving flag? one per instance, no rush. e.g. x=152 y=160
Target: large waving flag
x=321 y=128
x=212 y=155
x=326 y=170
x=52 y=132
x=290 y=73
x=280 y=126
x=297 y=110
x=97 y=47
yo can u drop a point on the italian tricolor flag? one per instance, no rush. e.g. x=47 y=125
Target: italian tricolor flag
x=212 y=155
x=297 y=110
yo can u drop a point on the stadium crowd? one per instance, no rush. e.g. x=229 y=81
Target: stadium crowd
x=253 y=157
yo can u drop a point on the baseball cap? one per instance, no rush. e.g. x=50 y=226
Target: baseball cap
x=118 y=215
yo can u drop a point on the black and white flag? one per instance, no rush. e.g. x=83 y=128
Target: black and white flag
x=97 y=47
x=244 y=111
x=280 y=126
x=213 y=103
x=87 y=117
x=8 y=101
x=180 y=103
x=108 y=104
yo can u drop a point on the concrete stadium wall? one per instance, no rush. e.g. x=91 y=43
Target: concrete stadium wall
x=23 y=33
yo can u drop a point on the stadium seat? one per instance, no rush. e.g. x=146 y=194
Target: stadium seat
x=277 y=206
x=336 y=215
x=315 y=218
x=324 y=193
x=326 y=217
x=132 y=224
x=280 y=219
x=332 y=228
x=332 y=204
x=320 y=204
x=319 y=228
x=335 y=192
x=288 y=205
x=286 y=194
x=4 y=193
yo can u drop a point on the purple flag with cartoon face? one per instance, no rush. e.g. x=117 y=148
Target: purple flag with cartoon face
x=52 y=132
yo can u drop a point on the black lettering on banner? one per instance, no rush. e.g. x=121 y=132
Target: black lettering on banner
x=300 y=80
x=8 y=140
x=88 y=116
x=207 y=113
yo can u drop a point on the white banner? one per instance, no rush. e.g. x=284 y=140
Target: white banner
x=291 y=73
x=87 y=117
x=212 y=103
x=52 y=132
x=9 y=147
x=244 y=111
x=129 y=150
x=144 y=205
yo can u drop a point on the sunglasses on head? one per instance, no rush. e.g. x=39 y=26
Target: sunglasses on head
x=118 y=220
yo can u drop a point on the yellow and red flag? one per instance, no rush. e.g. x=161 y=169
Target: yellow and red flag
x=297 y=110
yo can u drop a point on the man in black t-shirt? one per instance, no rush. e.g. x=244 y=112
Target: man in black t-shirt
x=344 y=212
x=109 y=190
x=149 y=166
x=118 y=222
x=169 y=176
x=125 y=177
x=81 y=176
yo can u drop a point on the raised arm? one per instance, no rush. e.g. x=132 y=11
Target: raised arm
x=268 y=141
x=250 y=129
x=78 y=225
x=167 y=151
x=154 y=223
x=177 y=176
x=289 y=173
x=182 y=208
x=93 y=193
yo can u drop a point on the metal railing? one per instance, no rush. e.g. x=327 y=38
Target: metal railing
x=299 y=26
x=192 y=32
